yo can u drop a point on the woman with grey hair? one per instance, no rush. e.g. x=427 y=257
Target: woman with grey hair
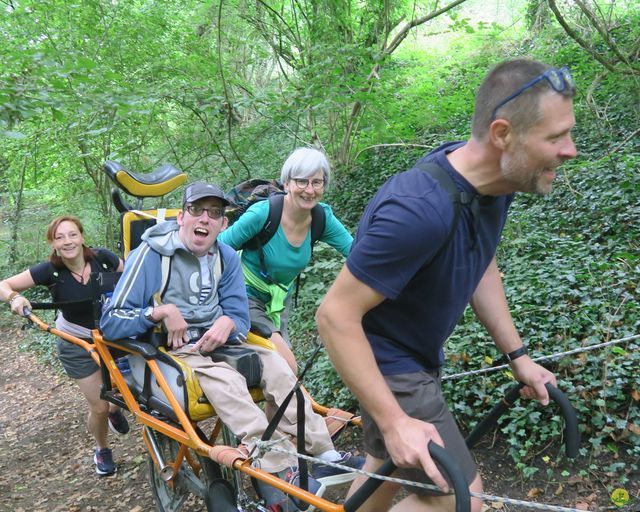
x=270 y=278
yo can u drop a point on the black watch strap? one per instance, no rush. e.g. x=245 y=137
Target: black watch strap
x=519 y=352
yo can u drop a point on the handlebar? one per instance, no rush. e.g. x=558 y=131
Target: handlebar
x=439 y=455
x=571 y=432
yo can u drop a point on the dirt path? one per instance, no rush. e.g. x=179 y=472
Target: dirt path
x=46 y=457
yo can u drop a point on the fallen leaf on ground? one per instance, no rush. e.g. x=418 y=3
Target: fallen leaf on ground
x=592 y=497
x=574 y=480
x=535 y=491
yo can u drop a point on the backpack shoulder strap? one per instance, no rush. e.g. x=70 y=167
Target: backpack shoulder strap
x=104 y=262
x=218 y=267
x=165 y=265
x=457 y=197
x=165 y=272
x=318 y=223
x=270 y=226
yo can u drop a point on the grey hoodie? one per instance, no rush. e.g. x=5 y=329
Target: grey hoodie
x=124 y=315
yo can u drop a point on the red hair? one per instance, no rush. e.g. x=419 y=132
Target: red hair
x=51 y=234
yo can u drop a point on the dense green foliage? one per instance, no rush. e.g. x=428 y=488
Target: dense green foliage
x=571 y=263
x=226 y=90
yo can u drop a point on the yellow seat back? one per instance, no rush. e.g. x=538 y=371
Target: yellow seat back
x=135 y=222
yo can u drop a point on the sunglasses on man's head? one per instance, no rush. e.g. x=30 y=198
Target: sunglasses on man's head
x=559 y=79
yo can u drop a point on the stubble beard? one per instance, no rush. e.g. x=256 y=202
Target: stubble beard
x=521 y=173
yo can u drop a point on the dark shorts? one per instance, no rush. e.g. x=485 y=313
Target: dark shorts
x=261 y=322
x=76 y=361
x=420 y=396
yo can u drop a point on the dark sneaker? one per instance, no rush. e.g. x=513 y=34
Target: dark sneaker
x=278 y=501
x=103 y=459
x=118 y=423
x=330 y=476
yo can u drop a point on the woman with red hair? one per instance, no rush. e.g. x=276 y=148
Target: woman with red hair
x=67 y=275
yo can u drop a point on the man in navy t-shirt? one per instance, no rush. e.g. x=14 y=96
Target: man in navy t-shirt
x=408 y=278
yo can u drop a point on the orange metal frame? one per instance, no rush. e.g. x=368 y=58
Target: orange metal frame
x=186 y=435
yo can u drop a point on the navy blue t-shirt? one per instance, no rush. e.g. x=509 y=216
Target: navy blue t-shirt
x=402 y=229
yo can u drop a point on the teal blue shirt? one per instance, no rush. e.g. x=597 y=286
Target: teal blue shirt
x=283 y=260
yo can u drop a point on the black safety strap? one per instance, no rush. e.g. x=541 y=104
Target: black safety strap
x=275 y=420
x=301 y=445
x=57 y=305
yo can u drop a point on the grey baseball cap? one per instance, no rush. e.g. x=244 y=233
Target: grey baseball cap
x=199 y=189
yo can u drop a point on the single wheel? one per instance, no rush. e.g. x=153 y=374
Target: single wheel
x=200 y=484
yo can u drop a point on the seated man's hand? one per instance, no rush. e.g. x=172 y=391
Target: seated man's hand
x=174 y=323
x=216 y=336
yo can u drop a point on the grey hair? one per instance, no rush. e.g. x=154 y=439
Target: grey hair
x=304 y=163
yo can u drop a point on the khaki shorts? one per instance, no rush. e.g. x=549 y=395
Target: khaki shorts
x=261 y=322
x=420 y=396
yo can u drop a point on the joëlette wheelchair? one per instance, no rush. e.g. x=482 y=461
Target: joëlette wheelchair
x=163 y=395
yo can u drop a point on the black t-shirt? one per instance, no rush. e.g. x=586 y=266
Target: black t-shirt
x=65 y=288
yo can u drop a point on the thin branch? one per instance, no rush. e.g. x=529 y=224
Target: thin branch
x=404 y=32
x=390 y=145
x=604 y=33
x=574 y=35
x=632 y=136
x=297 y=27
x=357 y=107
x=205 y=125
x=282 y=20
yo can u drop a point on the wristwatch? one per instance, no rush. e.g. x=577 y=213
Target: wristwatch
x=519 y=352
x=148 y=314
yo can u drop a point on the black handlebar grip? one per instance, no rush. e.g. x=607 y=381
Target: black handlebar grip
x=459 y=482
x=572 y=434
x=571 y=431
x=439 y=455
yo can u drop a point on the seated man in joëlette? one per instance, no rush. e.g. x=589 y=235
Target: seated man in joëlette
x=209 y=295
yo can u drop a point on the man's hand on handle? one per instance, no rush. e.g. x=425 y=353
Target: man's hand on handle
x=534 y=377
x=407 y=443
